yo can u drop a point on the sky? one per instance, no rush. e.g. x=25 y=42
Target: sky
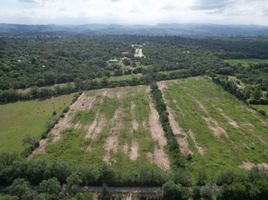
x=147 y=12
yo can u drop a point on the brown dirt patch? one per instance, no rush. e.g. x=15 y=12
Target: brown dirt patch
x=84 y=102
x=134 y=123
x=215 y=128
x=232 y=122
x=249 y=165
x=134 y=150
x=156 y=127
x=182 y=137
x=125 y=149
x=96 y=127
x=162 y=85
x=77 y=126
x=200 y=105
x=111 y=144
x=201 y=150
x=160 y=158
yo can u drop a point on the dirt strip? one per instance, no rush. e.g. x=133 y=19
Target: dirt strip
x=134 y=123
x=83 y=102
x=159 y=157
x=111 y=144
x=215 y=128
x=182 y=136
x=96 y=127
x=201 y=150
x=232 y=122
x=249 y=165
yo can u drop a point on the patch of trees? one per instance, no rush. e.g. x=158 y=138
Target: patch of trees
x=7 y=96
x=251 y=95
x=22 y=179
x=42 y=61
x=173 y=146
x=231 y=86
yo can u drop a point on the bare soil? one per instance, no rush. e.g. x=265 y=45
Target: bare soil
x=96 y=127
x=201 y=150
x=232 y=122
x=215 y=128
x=200 y=105
x=159 y=157
x=134 y=123
x=134 y=149
x=182 y=136
x=111 y=144
x=83 y=102
x=249 y=165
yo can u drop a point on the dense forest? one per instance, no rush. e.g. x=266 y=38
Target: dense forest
x=87 y=61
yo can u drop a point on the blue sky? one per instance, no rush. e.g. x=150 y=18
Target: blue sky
x=134 y=11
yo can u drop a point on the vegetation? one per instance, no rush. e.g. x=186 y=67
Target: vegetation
x=27 y=121
x=221 y=131
x=107 y=137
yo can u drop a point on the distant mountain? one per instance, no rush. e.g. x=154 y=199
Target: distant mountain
x=160 y=29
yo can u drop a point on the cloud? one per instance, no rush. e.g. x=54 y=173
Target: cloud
x=134 y=12
x=211 y=4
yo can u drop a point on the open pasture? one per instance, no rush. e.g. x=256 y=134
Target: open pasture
x=118 y=126
x=219 y=131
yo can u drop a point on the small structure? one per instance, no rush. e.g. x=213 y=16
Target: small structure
x=138 y=53
x=113 y=60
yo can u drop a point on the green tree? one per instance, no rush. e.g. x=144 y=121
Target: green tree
x=51 y=186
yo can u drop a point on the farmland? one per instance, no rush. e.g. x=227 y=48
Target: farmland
x=218 y=130
x=21 y=119
x=85 y=114
x=245 y=62
x=117 y=126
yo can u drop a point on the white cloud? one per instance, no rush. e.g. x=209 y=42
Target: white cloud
x=134 y=12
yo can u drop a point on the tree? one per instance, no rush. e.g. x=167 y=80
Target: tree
x=181 y=177
x=257 y=94
x=236 y=191
x=73 y=182
x=229 y=177
x=202 y=178
x=22 y=189
x=51 y=186
x=172 y=191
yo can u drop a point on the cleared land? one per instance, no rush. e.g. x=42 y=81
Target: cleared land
x=17 y=120
x=220 y=131
x=117 y=126
x=245 y=62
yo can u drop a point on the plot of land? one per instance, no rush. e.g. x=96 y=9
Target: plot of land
x=220 y=131
x=245 y=62
x=117 y=126
x=27 y=118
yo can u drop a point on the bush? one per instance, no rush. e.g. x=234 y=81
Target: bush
x=172 y=191
x=229 y=177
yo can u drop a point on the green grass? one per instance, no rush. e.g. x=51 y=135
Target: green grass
x=245 y=62
x=221 y=154
x=121 y=78
x=75 y=149
x=262 y=107
x=27 y=118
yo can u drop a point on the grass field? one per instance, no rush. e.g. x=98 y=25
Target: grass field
x=245 y=62
x=220 y=131
x=114 y=126
x=112 y=78
x=262 y=107
x=27 y=118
